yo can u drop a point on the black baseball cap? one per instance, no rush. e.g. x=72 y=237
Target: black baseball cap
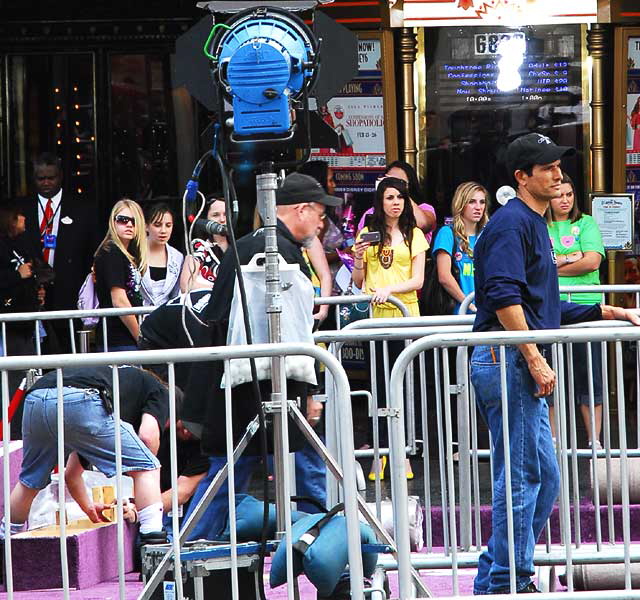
x=534 y=149
x=298 y=188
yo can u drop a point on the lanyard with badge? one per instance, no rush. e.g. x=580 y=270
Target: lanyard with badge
x=49 y=239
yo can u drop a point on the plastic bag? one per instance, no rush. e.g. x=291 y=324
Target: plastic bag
x=88 y=299
x=296 y=323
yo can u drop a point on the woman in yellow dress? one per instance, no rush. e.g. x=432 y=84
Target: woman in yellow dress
x=392 y=267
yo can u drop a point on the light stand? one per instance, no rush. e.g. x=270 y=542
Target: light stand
x=266 y=185
x=264 y=37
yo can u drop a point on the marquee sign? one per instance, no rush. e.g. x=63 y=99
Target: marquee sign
x=439 y=13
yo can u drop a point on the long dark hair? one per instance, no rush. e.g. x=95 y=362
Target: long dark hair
x=415 y=189
x=377 y=220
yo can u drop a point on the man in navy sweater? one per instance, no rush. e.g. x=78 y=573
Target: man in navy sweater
x=516 y=283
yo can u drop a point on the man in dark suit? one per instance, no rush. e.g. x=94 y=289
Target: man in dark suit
x=66 y=229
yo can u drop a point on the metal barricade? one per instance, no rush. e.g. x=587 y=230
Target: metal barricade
x=344 y=470
x=82 y=345
x=383 y=330
x=71 y=315
x=572 y=549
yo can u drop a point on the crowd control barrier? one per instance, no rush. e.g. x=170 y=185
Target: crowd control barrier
x=79 y=336
x=562 y=543
x=72 y=316
x=344 y=470
x=384 y=330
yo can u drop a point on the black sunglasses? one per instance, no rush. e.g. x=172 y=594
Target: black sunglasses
x=124 y=220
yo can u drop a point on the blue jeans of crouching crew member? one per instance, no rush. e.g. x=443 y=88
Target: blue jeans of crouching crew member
x=535 y=478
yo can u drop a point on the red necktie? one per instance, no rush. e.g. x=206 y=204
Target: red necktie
x=46 y=227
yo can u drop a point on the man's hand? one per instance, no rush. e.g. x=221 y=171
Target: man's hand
x=314 y=411
x=542 y=374
x=94 y=512
x=617 y=313
x=25 y=270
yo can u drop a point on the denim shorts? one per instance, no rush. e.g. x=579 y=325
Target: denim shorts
x=88 y=429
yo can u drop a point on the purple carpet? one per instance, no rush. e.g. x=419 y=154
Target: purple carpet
x=91 y=554
x=438 y=581
x=587 y=523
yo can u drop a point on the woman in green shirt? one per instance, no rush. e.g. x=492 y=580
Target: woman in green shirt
x=577 y=244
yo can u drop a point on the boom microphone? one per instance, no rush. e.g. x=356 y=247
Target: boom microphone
x=212 y=227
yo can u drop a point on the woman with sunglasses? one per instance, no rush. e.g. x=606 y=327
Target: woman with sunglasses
x=119 y=263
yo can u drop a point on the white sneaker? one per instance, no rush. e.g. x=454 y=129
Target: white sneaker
x=597 y=444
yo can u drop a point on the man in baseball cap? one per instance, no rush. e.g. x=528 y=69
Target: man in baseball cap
x=516 y=285
x=301 y=202
x=534 y=149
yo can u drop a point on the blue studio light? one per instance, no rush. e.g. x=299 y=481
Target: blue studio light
x=265 y=58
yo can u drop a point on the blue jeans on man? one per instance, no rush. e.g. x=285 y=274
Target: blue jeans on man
x=535 y=478
x=214 y=519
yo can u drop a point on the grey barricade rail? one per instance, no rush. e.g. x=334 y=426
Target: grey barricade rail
x=346 y=469
x=54 y=315
x=383 y=330
x=570 y=552
x=468 y=520
x=39 y=317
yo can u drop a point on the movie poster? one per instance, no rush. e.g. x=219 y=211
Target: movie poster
x=356 y=114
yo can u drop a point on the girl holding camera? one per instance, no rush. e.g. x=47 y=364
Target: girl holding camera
x=393 y=265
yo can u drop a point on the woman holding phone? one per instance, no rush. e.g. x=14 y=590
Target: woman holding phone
x=394 y=265
x=425 y=214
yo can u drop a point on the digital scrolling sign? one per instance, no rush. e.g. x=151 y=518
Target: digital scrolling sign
x=486 y=86
x=471 y=77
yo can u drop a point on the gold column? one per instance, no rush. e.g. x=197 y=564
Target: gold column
x=408 y=50
x=597 y=44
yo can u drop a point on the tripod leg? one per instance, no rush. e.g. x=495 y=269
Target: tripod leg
x=332 y=465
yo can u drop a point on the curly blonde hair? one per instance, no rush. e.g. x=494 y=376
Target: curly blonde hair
x=137 y=250
x=462 y=196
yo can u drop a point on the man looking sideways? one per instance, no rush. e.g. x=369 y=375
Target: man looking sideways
x=516 y=282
